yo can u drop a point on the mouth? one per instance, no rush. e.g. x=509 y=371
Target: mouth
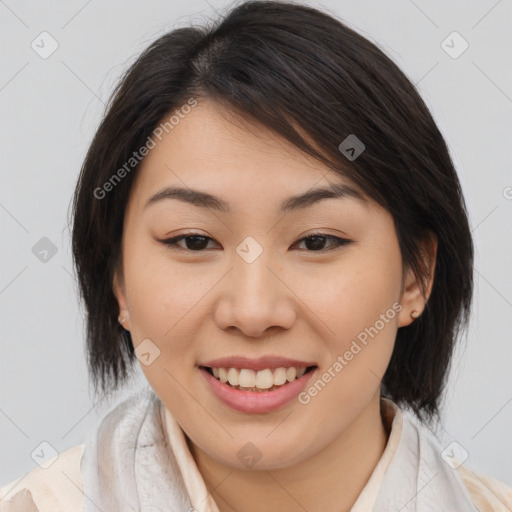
x=258 y=381
x=257 y=385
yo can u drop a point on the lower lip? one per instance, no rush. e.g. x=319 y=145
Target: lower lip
x=256 y=402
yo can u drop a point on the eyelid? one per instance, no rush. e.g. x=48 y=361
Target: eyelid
x=339 y=241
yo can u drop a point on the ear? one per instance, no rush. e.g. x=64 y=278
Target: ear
x=414 y=297
x=119 y=291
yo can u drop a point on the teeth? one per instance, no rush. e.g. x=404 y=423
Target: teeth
x=223 y=375
x=264 y=379
x=247 y=378
x=291 y=373
x=233 y=374
x=258 y=380
x=279 y=376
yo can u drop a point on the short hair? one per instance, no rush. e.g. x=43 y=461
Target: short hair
x=297 y=71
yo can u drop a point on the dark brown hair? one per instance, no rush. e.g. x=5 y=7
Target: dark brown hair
x=297 y=71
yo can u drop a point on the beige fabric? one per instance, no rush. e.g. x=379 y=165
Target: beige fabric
x=59 y=487
x=392 y=420
x=488 y=493
x=200 y=498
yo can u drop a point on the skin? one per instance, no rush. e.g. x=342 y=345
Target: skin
x=295 y=300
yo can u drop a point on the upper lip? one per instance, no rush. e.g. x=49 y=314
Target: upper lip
x=260 y=363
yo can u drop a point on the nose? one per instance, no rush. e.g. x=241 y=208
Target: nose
x=256 y=298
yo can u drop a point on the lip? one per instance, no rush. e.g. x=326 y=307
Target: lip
x=260 y=363
x=256 y=402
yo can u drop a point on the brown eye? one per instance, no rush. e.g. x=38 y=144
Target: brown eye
x=316 y=242
x=193 y=242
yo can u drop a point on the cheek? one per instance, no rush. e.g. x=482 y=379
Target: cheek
x=359 y=305
x=352 y=295
x=156 y=294
x=160 y=301
x=166 y=299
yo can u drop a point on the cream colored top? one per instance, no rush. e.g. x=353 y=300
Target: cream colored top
x=58 y=488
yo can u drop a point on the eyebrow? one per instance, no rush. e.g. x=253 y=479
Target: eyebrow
x=297 y=202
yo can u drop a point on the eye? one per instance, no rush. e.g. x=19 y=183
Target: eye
x=316 y=242
x=195 y=242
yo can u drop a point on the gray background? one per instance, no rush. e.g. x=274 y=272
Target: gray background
x=51 y=107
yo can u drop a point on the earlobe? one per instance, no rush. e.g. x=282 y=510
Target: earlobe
x=412 y=300
x=416 y=293
x=118 y=290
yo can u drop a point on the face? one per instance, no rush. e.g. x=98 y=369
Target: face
x=319 y=284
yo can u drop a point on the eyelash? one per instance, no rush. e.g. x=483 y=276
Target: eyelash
x=173 y=242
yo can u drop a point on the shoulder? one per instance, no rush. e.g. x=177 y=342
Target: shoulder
x=55 y=488
x=487 y=493
x=484 y=492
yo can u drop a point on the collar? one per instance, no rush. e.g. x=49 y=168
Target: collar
x=137 y=459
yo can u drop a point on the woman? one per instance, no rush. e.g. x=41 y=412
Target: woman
x=269 y=220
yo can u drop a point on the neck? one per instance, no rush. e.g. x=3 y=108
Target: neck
x=331 y=480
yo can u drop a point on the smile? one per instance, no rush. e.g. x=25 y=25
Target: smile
x=246 y=379
x=257 y=392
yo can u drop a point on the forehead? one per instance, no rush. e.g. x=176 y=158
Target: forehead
x=212 y=149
